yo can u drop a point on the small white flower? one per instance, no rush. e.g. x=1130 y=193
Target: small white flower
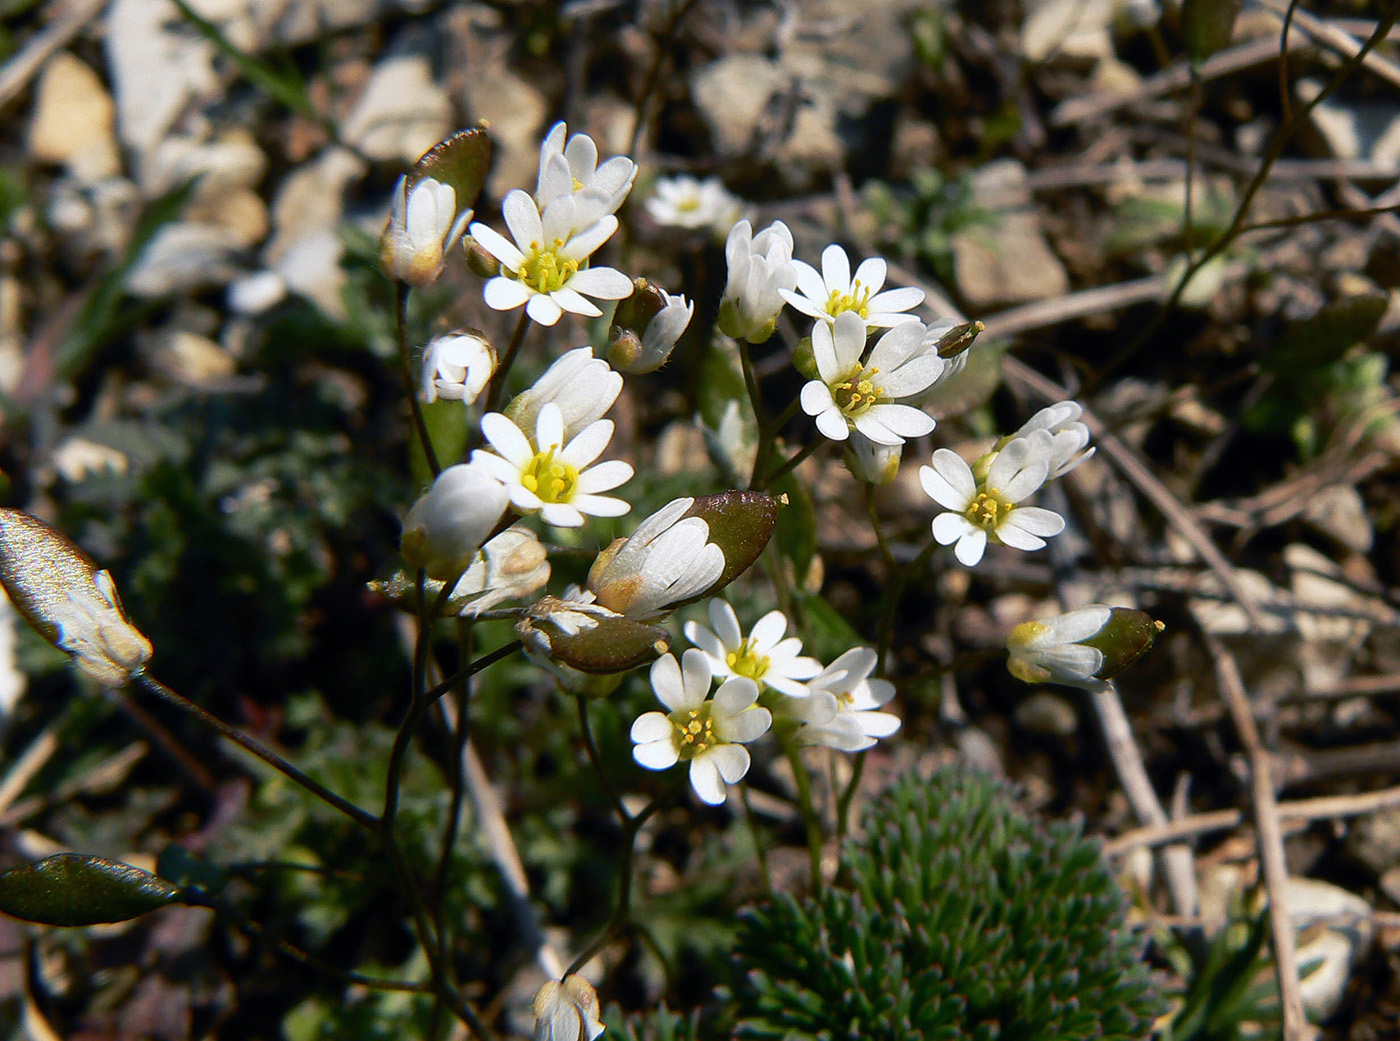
x=684 y=202
x=571 y=170
x=760 y=267
x=1050 y=651
x=1068 y=436
x=764 y=657
x=446 y=527
x=832 y=291
x=546 y=267
x=549 y=476
x=582 y=386
x=567 y=1011
x=844 y=709
x=511 y=566
x=992 y=508
x=668 y=559
x=423 y=224
x=662 y=333
x=709 y=733
x=456 y=368
x=851 y=395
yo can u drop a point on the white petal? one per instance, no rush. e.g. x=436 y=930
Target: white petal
x=836 y=270
x=522 y=217
x=588 y=444
x=904 y=420
x=734 y=696
x=1010 y=535
x=604 y=477
x=809 y=282
x=601 y=505
x=970 y=547
x=505 y=294
x=656 y=755
x=569 y=299
x=507 y=439
x=871 y=276
x=586 y=242
x=651 y=726
x=705 y=779
x=749 y=725
x=602 y=283
x=848 y=335
x=726 y=624
x=667 y=683
x=695 y=669
x=549 y=427
x=1034 y=520
x=498 y=246
x=803 y=304
x=561 y=515
x=833 y=425
x=824 y=354
x=892 y=300
x=869 y=426
x=709 y=643
x=816 y=398
x=949 y=527
x=732 y=761
x=768 y=630
x=949 y=481
x=542 y=309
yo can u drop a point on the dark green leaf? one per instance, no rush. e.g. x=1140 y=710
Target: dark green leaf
x=73 y=889
x=1320 y=339
x=1207 y=26
x=462 y=161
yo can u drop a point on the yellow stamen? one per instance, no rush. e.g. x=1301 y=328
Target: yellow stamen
x=857 y=300
x=551 y=479
x=545 y=270
x=695 y=731
x=855 y=395
x=988 y=509
x=745 y=662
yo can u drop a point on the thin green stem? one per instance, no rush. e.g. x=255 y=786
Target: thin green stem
x=272 y=759
x=410 y=385
x=497 y=385
x=760 y=848
x=810 y=819
x=797 y=460
x=843 y=804
x=893 y=595
x=760 y=414
x=586 y=729
x=454 y=809
x=877 y=526
x=623 y=908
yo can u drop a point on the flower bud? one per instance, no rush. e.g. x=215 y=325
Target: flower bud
x=422 y=223
x=582 y=386
x=479 y=261
x=456 y=367
x=567 y=1011
x=511 y=566
x=669 y=560
x=646 y=327
x=68 y=599
x=588 y=637
x=1083 y=648
x=872 y=463
x=446 y=527
x=954 y=340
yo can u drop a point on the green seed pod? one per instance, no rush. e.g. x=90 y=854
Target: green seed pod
x=741 y=523
x=589 y=638
x=1126 y=636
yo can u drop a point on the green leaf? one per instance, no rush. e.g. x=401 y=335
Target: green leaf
x=1207 y=26
x=1320 y=339
x=73 y=889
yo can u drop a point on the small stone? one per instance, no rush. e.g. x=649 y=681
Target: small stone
x=259 y=292
x=73 y=120
x=1069 y=28
x=1335 y=931
x=1008 y=260
x=241 y=211
x=1374 y=840
x=1390 y=884
x=402 y=111
x=1338 y=512
x=184 y=255
x=1048 y=715
x=732 y=94
x=194 y=360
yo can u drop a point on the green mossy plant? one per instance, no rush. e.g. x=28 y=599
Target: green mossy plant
x=957 y=917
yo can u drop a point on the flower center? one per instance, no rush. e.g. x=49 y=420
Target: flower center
x=695 y=731
x=545 y=270
x=549 y=478
x=988 y=509
x=745 y=662
x=857 y=300
x=857 y=392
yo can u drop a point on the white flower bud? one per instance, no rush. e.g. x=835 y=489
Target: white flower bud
x=668 y=559
x=582 y=386
x=872 y=463
x=759 y=267
x=510 y=567
x=456 y=367
x=446 y=527
x=423 y=223
x=567 y=1011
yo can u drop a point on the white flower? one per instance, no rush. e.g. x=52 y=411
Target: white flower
x=851 y=395
x=546 y=267
x=710 y=734
x=1050 y=651
x=832 y=291
x=548 y=475
x=684 y=202
x=456 y=368
x=567 y=1011
x=511 y=566
x=843 y=710
x=760 y=267
x=422 y=225
x=571 y=171
x=662 y=333
x=582 y=386
x=764 y=657
x=669 y=558
x=991 y=509
x=1068 y=436
x=446 y=527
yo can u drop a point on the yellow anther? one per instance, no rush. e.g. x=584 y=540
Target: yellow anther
x=549 y=478
x=857 y=300
x=746 y=662
x=544 y=269
x=696 y=731
x=988 y=509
